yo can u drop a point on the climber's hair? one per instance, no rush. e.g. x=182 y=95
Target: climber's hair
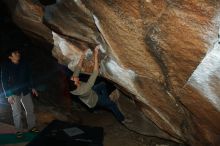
x=72 y=86
x=9 y=51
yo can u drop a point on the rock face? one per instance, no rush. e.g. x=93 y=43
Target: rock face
x=164 y=54
x=28 y=14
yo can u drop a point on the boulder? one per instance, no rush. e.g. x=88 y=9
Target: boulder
x=163 y=54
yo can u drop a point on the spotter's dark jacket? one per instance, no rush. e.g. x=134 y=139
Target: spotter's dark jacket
x=16 y=78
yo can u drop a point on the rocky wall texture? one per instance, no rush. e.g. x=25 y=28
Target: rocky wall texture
x=163 y=53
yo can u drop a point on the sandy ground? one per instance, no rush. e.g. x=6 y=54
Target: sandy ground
x=115 y=134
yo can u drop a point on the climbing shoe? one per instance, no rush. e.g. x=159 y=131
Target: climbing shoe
x=34 y=130
x=19 y=135
x=127 y=121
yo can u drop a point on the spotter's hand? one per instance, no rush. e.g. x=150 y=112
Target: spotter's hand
x=35 y=93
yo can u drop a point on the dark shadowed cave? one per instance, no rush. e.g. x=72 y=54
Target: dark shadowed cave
x=47 y=73
x=51 y=79
x=160 y=58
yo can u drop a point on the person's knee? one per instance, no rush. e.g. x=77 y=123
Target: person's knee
x=29 y=111
x=103 y=84
x=111 y=105
x=17 y=114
